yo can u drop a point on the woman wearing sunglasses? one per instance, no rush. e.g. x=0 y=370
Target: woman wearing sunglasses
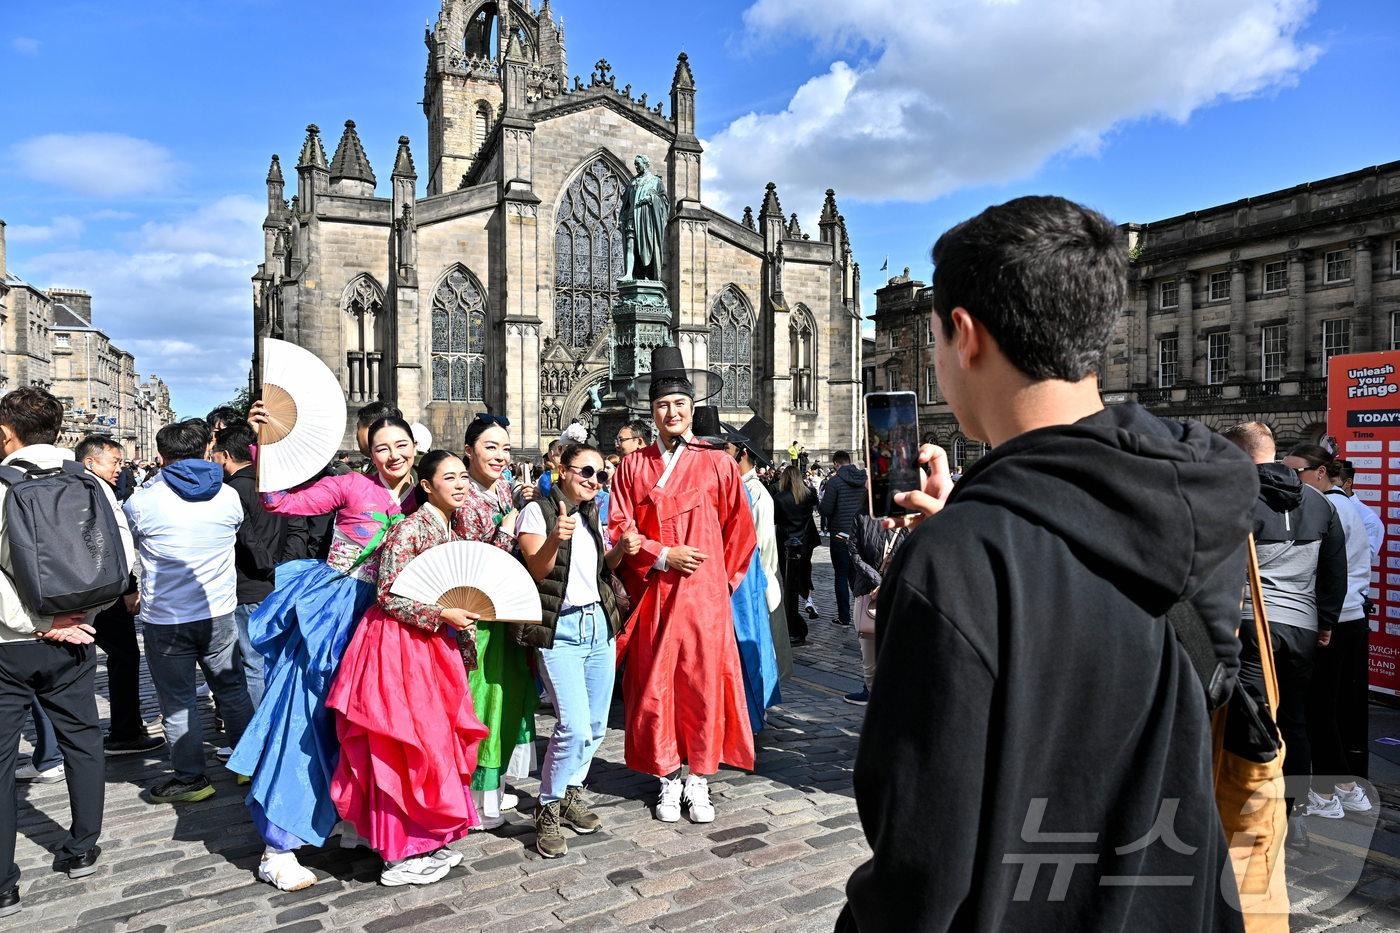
x=503 y=689
x=562 y=541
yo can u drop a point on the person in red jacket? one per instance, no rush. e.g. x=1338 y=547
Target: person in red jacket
x=683 y=686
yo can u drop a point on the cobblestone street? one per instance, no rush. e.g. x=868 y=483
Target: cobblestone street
x=777 y=857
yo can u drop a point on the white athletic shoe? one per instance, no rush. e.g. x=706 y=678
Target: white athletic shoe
x=697 y=799
x=492 y=822
x=447 y=857
x=668 y=805
x=284 y=872
x=27 y=772
x=1327 y=809
x=509 y=801
x=1354 y=800
x=421 y=869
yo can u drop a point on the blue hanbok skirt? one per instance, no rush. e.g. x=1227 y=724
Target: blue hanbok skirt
x=754 y=631
x=290 y=748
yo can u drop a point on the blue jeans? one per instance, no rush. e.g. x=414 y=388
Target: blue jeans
x=47 y=755
x=252 y=660
x=578 y=673
x=172 y=651
x=841 y=570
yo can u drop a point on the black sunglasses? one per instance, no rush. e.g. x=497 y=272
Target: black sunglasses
x=489 y=418
x=589 y=473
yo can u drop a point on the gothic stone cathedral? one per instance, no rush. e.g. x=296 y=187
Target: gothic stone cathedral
x=495 y=289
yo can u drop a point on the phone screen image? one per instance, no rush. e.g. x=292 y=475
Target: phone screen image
x=892 y=449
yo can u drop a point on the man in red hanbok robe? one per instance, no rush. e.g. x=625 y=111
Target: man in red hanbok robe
x=683 y=686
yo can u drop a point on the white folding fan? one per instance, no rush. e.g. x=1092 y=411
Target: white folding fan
x=473 y=576
x=306 y=416
x=422 y=437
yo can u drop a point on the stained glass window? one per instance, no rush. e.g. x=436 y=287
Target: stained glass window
x=802 y=355
x=731 y=347
x=587 y=255
x=459 y=339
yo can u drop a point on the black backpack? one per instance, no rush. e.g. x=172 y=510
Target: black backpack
x=65 y=544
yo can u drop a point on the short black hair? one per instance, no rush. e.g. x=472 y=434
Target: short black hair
x=94 y=444
x=235 y=440
x=376 y=411
x=1044 y=275
x=428 y=466
x=640 y=428
x=183 y=440
x=225 y=415
x=1348 y=470
x=841 y=457
x=33 y=414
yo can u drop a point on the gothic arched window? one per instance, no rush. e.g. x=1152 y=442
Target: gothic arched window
x=587 y=255
x=731 y=347
x=459 y=339
x=481 y=125
x=361 y=302
x=802 y=330
x=959 y=452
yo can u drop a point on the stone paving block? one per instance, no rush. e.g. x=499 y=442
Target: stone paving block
x=610 y=899
x=409 y=919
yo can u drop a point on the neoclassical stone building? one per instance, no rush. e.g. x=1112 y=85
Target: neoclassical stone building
x=1234 y=310
x=493 y=287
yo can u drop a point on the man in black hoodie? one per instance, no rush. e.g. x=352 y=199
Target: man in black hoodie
x=1036 y=754
x=843 y=498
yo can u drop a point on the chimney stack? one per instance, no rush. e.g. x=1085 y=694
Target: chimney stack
x=4 y=270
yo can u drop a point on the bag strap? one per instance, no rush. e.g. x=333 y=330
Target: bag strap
x=1261 y=631
x=1191 y=632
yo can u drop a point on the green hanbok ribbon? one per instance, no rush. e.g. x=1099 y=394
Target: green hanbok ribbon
x=385 y=523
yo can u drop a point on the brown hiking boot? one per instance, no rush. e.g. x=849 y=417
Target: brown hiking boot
x=549 y=838
x=576 y=814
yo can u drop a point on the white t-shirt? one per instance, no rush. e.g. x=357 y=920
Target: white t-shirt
x=582 y=589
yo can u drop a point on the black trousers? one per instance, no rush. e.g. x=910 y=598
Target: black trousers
x=116 y=636
x=60 y=677
x=1337 y=707
x=1294 y=652
x=795 y=564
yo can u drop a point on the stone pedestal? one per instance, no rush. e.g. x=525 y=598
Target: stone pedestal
x=641 y=321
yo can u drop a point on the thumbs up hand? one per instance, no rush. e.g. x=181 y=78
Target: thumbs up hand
x=631 y=541
x=564 y=528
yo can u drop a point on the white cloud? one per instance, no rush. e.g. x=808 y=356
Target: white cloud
x=105 y=165
x=58 y=229
x=935 y=95
x=179 y=298
x=24 y=45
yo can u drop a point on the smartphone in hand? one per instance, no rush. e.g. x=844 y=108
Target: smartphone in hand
x=891 y=449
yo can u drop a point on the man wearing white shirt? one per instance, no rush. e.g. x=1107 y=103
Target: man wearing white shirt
x=1375 y=528
x=185 y=523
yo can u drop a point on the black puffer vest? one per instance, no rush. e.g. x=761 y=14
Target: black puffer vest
x=553 y=587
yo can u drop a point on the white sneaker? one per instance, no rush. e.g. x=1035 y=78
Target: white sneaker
x=447 y=857
x=697 y=799
x=284 y=872
x=421 y=869
x=509 y=801
x=1327 y=809
x=668 y=805
x=492 y=822
x=27 y=772
x=1354 y=800
x=223 y=754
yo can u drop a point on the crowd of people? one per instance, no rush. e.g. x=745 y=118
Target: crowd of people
x=1028 y=702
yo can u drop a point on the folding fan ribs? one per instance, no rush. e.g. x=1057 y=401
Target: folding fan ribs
x=306 y=416
x=473 y=576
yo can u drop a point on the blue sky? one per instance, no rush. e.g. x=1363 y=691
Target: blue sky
x=135 y=136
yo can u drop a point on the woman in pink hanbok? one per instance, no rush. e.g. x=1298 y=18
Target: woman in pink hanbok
x=290 y=749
